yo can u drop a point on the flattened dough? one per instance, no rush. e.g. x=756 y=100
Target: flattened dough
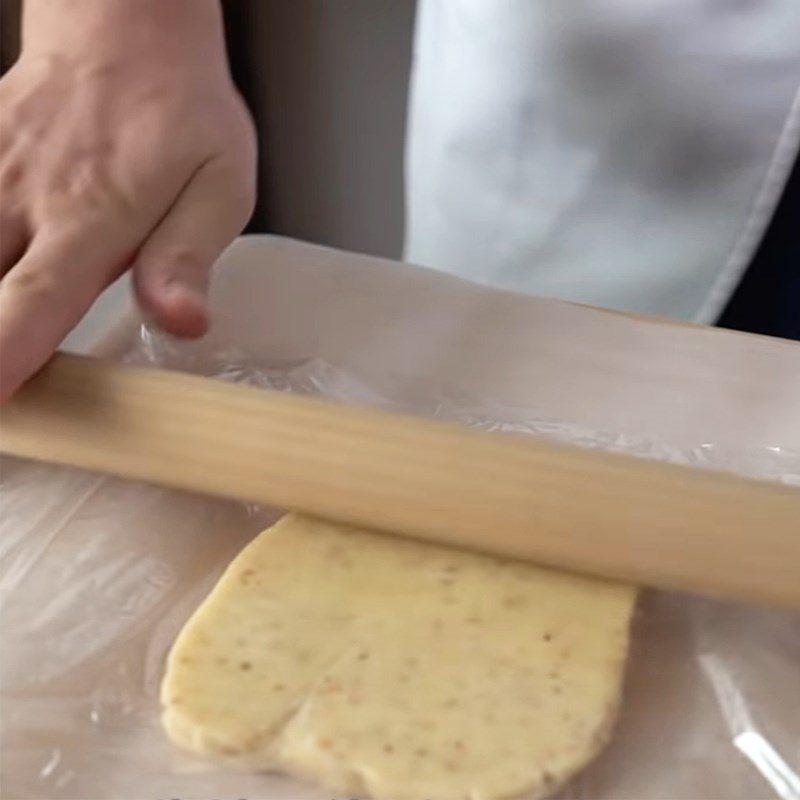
x=397 y=669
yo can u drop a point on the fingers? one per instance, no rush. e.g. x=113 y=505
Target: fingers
x=47 y=291
x=43 y=297
x=171 y=272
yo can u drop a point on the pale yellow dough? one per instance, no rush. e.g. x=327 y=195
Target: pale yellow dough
x=402 y=670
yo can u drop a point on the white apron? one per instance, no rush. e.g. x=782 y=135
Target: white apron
x=625 y=153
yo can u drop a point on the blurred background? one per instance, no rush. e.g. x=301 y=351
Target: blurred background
x=327 y=83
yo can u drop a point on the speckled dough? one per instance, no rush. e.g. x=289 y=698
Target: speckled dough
x=404 y=670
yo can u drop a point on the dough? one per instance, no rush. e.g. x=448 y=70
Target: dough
x=399 y=669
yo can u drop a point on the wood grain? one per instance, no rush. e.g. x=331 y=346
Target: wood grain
x=611 y=515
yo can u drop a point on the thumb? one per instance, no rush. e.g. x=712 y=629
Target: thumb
x=171 y=271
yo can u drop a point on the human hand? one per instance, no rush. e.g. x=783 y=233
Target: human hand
x=123 y=145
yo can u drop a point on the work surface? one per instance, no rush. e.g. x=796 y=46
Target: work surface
x=98 y=575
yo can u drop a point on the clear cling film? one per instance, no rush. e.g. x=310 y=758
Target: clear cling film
x=97 y=576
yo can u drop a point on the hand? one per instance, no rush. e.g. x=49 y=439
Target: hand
x=123 y=144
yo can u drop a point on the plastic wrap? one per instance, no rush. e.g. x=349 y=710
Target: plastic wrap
x=98 y=575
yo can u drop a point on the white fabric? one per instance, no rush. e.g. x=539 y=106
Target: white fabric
x=625 y=153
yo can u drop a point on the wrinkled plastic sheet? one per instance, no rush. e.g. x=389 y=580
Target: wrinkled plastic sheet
x=97 y=576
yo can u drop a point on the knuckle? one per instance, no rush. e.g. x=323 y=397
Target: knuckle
x=12 y=176
x=36 y=283
x=234 y=197
x=90 y=181
x=182 y=260
x=85 y=180
x=241 y=194
x=244 y=202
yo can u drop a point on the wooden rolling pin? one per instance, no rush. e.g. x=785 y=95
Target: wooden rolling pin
x=611 y=515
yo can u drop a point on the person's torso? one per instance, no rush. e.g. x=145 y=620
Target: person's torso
x=615 y=152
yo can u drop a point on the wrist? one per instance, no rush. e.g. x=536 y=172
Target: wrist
x=107 y=33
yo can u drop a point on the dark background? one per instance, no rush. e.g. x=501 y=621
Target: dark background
x=326 y=82
x=9 y=32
